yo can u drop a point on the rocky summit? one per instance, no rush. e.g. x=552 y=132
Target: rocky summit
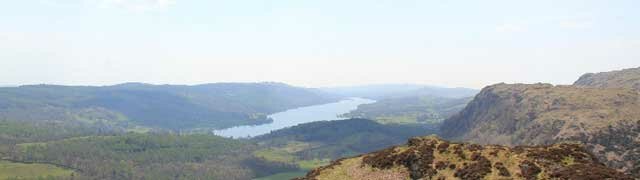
x=626 y=78
x=606 y=120
x=433 y=158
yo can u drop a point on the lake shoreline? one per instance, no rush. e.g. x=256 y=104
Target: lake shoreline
x=296 y=116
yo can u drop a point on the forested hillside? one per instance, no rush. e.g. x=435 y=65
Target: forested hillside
x=335 y=139
x=119 y=155
x=313 y=144
x=89 y=152
x=174 y=107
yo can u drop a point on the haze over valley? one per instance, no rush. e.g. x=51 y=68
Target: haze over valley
x=274 y=130
x=319 y=90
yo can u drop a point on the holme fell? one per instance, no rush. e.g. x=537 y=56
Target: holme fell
x=589 y=130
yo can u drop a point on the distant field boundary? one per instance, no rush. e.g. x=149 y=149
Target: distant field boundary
x=48 y=163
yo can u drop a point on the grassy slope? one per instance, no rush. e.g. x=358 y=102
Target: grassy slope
x=282 y=176
x=31 y=171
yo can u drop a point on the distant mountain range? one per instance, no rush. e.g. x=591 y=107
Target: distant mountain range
x=383 y=91
x=218 y=105
x=206 y=106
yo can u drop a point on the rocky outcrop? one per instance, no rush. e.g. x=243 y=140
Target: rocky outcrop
x=606 y=120
x=433 y=158
x=627 y=78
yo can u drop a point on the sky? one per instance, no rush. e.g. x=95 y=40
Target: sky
x=315 y=43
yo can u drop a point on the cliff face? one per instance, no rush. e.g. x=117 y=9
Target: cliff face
x=606 y=120
x=627 y=78
x=432 y=158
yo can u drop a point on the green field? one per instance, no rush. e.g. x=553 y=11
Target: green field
x=275 y=155
x=283 y=176
x=286 y=154
x=11 y=170
x=311 y=164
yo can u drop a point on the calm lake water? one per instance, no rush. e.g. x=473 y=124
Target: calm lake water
x=297 y=116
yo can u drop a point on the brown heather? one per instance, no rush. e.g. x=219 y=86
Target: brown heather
x=432 y=158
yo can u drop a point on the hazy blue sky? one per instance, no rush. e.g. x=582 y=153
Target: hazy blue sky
x=315 y=42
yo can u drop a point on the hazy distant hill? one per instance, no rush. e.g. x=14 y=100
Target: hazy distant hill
x=432 y=158
x=406 y=103
x=433 y=91
x=383 y=91
x=410 y=109
x=605 y=118
x=167 y=106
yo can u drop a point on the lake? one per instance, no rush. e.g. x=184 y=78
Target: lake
x=296 y=116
